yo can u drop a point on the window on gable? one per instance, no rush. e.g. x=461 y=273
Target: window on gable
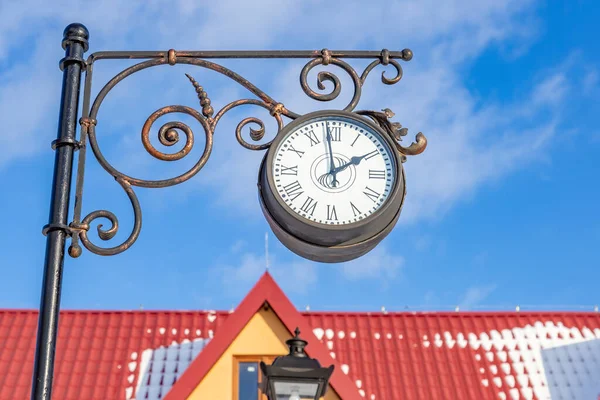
x=247 y=377
x=248 y=381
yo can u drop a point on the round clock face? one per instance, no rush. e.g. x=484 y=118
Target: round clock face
x=334 y=170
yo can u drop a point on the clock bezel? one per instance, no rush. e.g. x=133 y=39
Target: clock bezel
x=331 y=234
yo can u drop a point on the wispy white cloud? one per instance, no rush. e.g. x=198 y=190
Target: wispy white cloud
x=245 y=269
x=470 y=141
x=423 y=243
x=27 y=105
x=551 y=91
x=475 y=295
x=590 y=81
x=380 y=263
x=237 y=246
x=241 y=269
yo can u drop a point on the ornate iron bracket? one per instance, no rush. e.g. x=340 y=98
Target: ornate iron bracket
x=58 y=230
x=170 y=133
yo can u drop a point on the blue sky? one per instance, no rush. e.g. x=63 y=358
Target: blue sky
x=501 y=208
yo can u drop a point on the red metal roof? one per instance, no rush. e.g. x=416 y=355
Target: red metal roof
x=393 y=356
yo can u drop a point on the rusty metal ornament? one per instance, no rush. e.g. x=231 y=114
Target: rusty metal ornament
x=75 y=43
x=73 y=65
x=173 y=132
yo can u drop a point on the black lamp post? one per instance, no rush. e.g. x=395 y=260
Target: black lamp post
x=295 y=376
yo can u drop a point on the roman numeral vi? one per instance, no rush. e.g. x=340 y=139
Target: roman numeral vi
x=331 y=213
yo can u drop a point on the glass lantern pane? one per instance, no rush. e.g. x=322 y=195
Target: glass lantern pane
x=296 y=390
x=248 y=381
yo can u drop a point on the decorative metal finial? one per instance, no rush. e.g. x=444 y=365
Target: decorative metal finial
x=207 y=109
x=76 y=32
x=297 y=345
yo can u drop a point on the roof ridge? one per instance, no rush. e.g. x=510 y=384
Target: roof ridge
x=264 y=291
x=324 y=312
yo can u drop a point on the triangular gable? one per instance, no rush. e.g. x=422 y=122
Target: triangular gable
x=266 y=290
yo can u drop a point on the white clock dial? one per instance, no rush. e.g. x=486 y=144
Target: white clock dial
x=334 y=170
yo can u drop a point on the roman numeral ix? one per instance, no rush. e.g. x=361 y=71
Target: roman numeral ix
x=289 y=170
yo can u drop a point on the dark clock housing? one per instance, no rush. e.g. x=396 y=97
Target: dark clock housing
x=322 y=242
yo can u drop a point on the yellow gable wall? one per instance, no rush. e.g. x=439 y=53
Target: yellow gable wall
x=264 y=335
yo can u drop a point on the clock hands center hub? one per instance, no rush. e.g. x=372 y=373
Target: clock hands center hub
x=322 y=177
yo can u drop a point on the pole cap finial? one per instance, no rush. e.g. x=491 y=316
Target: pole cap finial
x=76 y=32
x=296 y=344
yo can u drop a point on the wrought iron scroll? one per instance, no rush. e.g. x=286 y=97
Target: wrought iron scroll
x=170 y=133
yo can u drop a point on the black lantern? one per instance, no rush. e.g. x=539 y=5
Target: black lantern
x=295 y=376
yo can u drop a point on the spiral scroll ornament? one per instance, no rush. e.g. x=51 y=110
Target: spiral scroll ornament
x=174 y=132
x=324 y=76
x=107 y=234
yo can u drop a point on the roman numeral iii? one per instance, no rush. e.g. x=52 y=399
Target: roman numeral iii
x=376 y=174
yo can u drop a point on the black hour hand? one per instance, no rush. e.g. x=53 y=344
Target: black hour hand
x=353 y=161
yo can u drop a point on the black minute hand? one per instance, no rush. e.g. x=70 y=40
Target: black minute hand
x=332 y=170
